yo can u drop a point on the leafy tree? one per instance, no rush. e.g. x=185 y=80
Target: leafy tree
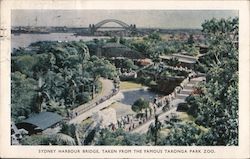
x=54 y=139
x=190 y=39
x=120 y=137
x=183 y=134
x=61 y=75
x=129 y=64
x=22 y=95
x=140 y=104
x=154 y=130
x=217 y=108
x=173 y=62
x=154 y=36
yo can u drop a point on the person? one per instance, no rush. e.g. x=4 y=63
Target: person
x=155 y=100
x=113 y=127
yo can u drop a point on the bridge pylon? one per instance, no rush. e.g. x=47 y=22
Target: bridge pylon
x=92 y=29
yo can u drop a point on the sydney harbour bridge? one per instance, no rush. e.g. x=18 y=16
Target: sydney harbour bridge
x=93 y=28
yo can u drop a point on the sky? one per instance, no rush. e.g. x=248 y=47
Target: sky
x=168 y=19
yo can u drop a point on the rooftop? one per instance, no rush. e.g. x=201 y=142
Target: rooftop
x=181 y=58
x=43 y=120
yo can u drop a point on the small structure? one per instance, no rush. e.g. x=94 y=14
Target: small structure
x=117 y=50
x=106 y=118
x=185 y=60
x=202 y=48
x=37 y=123
x=15 y=134
x=144 y=62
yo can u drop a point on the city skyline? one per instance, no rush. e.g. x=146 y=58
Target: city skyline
x=169 y=19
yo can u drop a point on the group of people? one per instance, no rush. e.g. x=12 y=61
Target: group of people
x=126 y=122
x=129 y=122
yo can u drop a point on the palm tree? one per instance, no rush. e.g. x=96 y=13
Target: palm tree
x=42 y=95
x=154 y=130
x=84 y=55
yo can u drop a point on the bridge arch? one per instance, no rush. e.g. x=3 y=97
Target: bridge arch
x=101 y=23
x=93 y=27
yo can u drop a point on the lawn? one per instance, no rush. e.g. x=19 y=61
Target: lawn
x=87 y=121
x=185 y=117
x=188 y=118
x=130 y=85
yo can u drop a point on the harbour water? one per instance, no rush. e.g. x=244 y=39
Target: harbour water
x=24 y=40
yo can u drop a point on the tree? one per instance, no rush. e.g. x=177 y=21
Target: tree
x=154 y=130
x=22 y=95
x=154 y=36
x=183 y=134
x=140 y=104
x=217 y=107
x=54 y=139
x=60 y=75
x=190 y=39
x=129 y=64
x=173 y=62
x=120 y=137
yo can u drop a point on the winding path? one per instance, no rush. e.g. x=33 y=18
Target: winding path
x=86 y=110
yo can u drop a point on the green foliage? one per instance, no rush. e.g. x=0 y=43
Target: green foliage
x=120 y=137
x=53 y=76
x=129 y=64
x=190 y=40
x=216 y=108
x=154 y=36
x=68 y=130
x=153 y=133
x=22 y=95
x=140 y=104
x=221 y=89
x=183 y=134
x=55 y=139
x=173 y=62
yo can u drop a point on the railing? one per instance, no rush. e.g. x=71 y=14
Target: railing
x=86 y=107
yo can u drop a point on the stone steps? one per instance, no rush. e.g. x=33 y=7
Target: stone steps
x=189 y=86
x=182 y=96
x=186 y=91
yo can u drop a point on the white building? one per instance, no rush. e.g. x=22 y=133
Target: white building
x=106 y=117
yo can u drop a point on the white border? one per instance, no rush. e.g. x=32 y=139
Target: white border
x=241 y=151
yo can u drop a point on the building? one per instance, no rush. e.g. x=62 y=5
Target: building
x=117 y=50
x=106 y=118
x=185 y=60
x=37 y=123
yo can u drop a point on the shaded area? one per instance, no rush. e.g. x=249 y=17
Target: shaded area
x=39 y=122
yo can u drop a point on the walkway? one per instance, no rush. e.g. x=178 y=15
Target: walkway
x=86 y=110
